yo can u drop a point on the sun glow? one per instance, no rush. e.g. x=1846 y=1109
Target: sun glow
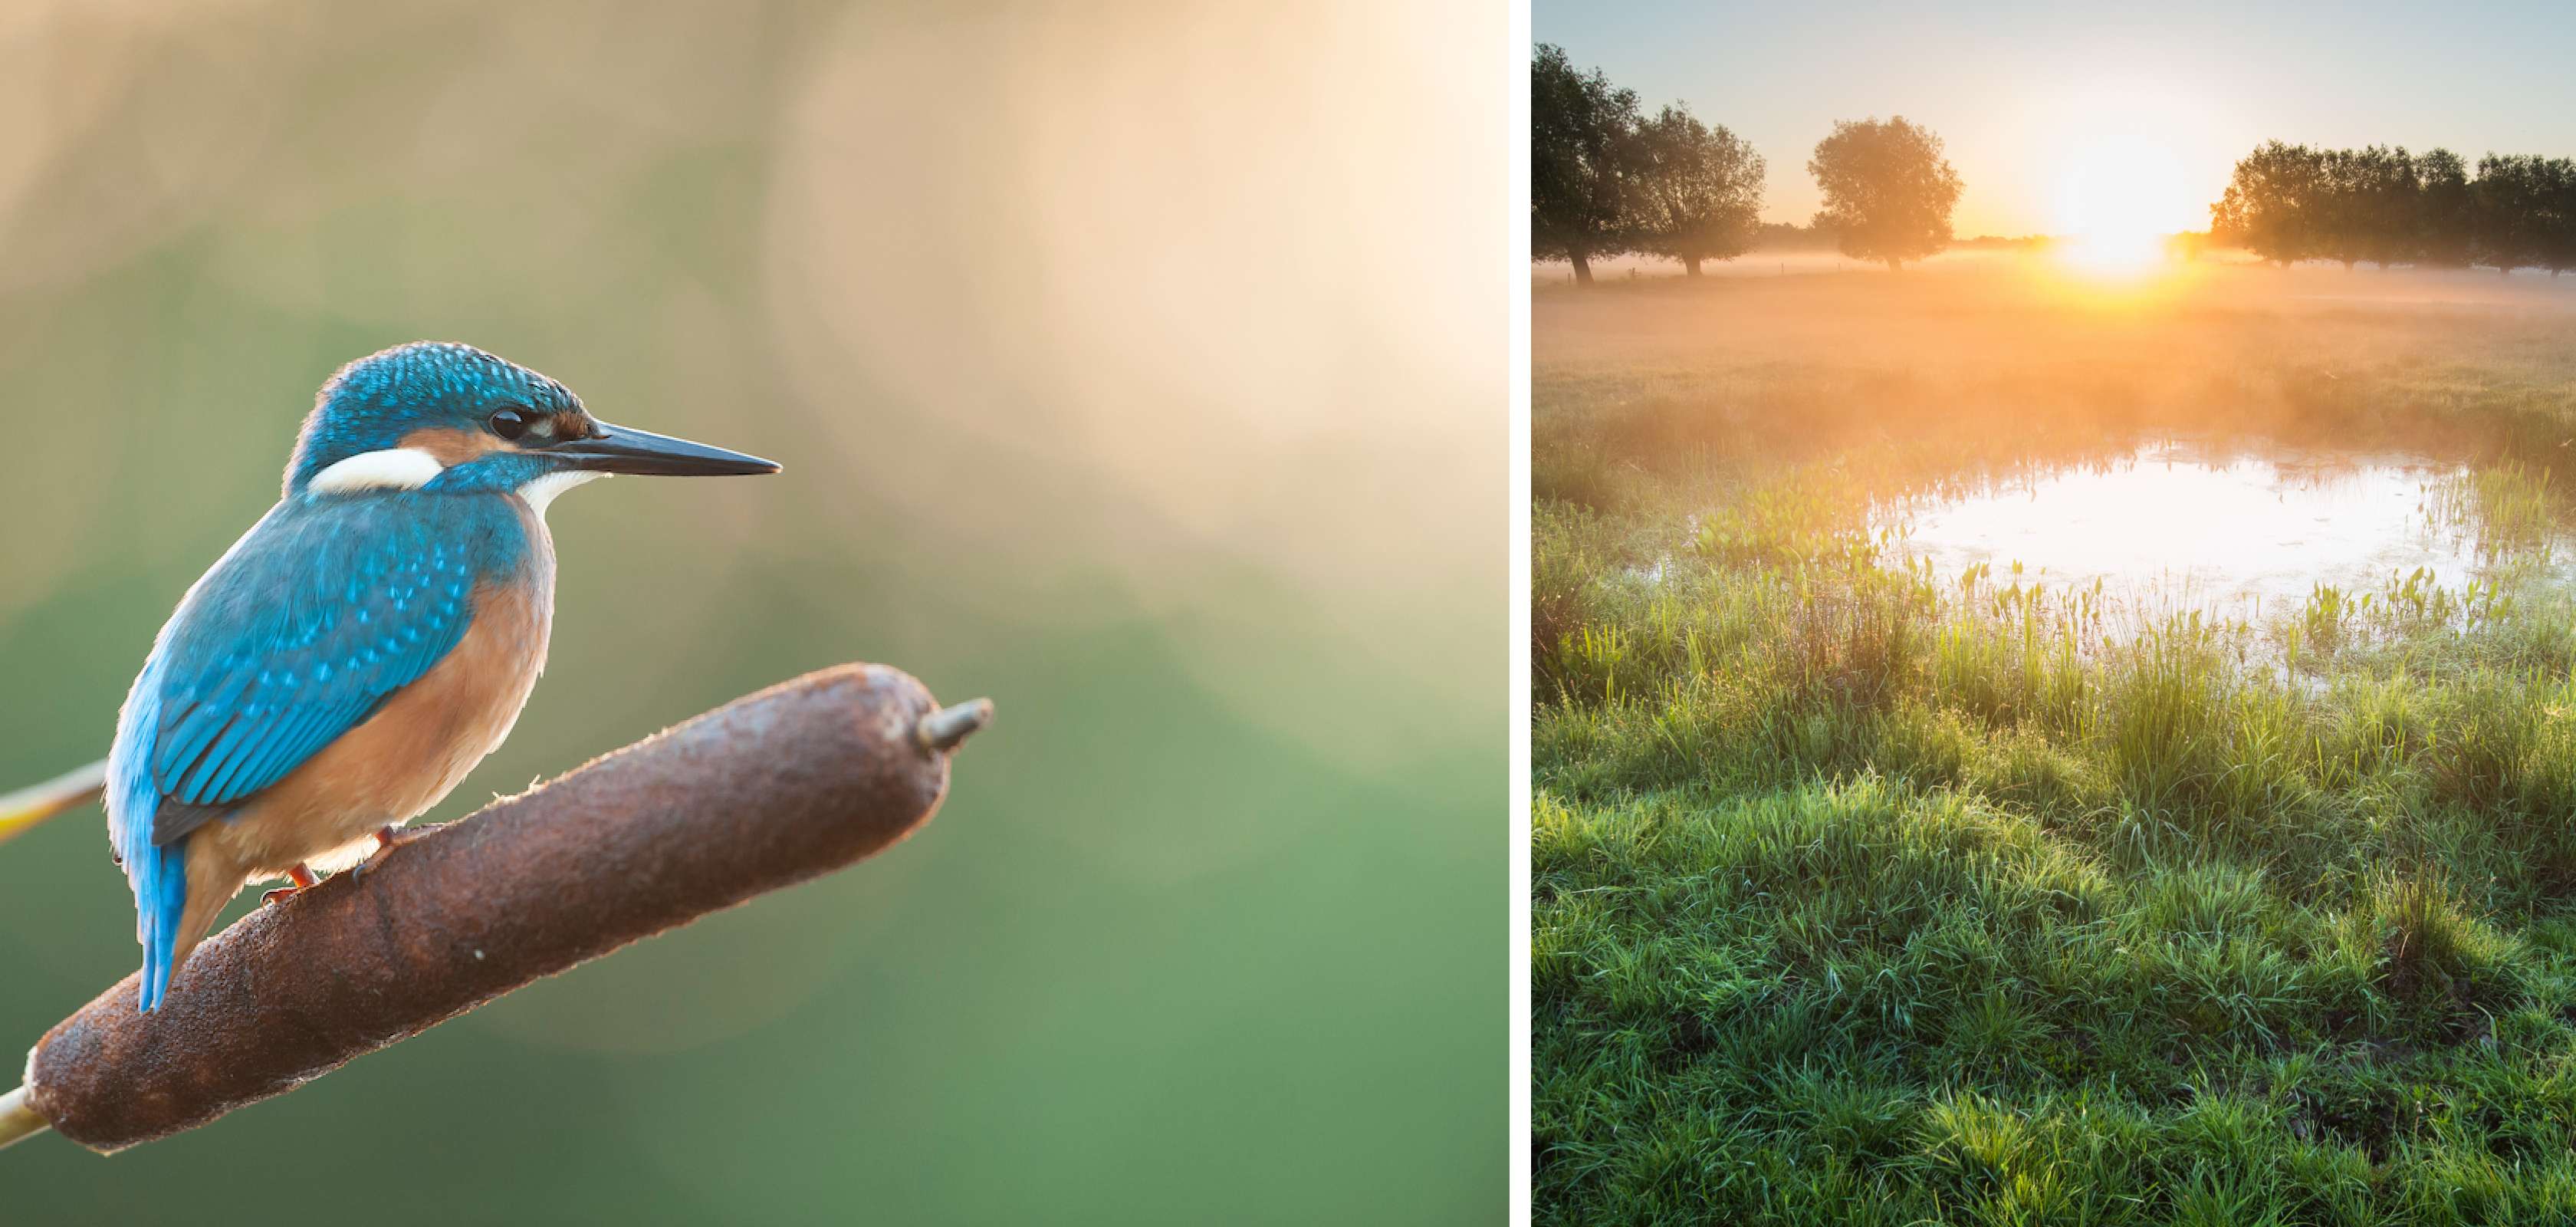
x=2119 y=198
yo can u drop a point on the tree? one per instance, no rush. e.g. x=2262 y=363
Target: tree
x=2288 y=203
x=2379 y=216
x=1888 y=192
x=2555 y=216
x=2506 y=202
x=2340 y=224
x=1580 y=128
x=2276 y=204
x=2443 y=217
x=1695 y=191
x=2365 y=205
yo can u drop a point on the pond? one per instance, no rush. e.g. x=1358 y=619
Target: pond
x=2224 y=531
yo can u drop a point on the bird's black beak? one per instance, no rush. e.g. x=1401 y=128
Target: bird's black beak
x=624 y=449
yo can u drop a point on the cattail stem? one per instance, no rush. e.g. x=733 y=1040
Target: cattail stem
x=943 y=729
x=769 y=790
x=17 y=1120
x=20 y=811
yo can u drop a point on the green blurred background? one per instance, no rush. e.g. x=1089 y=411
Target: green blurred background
x=1141 y=367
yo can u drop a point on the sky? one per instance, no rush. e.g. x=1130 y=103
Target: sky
x=2061 y=121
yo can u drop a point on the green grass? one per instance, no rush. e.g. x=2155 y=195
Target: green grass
x=1862 y=896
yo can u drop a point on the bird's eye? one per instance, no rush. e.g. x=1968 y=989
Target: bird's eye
x=509 y=423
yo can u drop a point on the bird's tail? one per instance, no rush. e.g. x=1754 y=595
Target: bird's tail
x=20 y=811
x=158 y=873
x=161 y=896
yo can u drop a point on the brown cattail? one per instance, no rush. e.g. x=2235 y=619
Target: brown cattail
x=769 y=790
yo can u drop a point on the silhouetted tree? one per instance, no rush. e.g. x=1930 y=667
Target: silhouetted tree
x=2341 y=220
x=1695 y=190
x=2384 y=203
x=2507 y=202
x=2276 y=204
x=2365 y=206
x=2554 y=195
x=1580 y=128
x=1888 y=191
x=2444 y=217
x=1790 y=236
x=2289 y=202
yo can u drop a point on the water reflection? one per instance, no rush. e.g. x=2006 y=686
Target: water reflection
x=2229 y=530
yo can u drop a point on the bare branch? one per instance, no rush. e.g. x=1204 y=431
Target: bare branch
x=769 y=790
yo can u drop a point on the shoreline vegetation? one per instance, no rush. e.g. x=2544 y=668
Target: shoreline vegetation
x=1867 y=896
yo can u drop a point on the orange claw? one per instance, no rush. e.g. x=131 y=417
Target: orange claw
x=301 y=876
x=385 y=836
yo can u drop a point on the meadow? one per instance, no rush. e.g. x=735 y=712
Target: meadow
x=1868 y=893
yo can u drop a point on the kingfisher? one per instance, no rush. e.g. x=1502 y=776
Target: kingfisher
x=366 y=643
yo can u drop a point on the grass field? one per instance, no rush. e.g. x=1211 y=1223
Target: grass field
x=1870 y=895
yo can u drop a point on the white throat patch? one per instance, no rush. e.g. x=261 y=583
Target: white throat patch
x=543 y=490
x=395 y=468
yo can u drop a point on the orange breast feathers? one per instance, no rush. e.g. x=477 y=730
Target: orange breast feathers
x=416 y=748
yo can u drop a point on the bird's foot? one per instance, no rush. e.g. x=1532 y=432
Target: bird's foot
x=302 y=878
x=386 y=837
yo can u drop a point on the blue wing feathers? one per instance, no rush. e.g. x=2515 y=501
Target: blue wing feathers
x=310 y=636
x=321 y=613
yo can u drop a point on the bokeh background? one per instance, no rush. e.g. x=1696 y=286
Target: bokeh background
x=1140 y=366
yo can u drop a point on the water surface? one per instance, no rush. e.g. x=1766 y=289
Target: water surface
x=2218 y=530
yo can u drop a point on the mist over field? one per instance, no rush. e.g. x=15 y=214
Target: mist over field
x=1760 y=262
x=1882 y=873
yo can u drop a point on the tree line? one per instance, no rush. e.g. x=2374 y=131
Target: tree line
x=1606 y=180
x=2288 y=202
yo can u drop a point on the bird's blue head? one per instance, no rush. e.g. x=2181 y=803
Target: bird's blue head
x=446 y=417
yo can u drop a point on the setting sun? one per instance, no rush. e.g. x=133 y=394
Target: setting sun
x=2118 y=198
